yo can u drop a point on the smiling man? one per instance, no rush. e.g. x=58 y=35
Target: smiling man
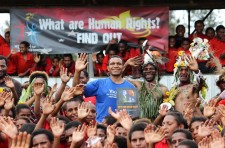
x=105 y=90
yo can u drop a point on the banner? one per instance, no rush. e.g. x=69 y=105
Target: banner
x=74 y=30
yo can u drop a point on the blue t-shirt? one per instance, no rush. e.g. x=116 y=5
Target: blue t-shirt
x=105 y=91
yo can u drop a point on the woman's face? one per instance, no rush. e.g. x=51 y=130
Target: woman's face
x=170 y=125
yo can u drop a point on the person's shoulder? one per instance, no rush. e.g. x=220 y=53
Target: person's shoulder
x=16 y=82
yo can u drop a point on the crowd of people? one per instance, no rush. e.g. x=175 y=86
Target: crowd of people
x=86 y=114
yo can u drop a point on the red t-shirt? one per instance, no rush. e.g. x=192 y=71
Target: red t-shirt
x=46 y=68
x=162 y=144
x=218 y=48
x=5 y=51
x=172 y=55
x=23 y=65
x=2 y=40
x=134 y=52
x=105 y=62
x=98 y=68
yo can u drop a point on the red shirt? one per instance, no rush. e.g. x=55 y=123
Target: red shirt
x=134 y=52
x=23 y=65
x=105 y=62
x=5 y=51
x=218 y=48
x=71 y=69
x=125 y=57
x=98 y=68
x=172 y=55
x=162 y=144
x=202 y=36
x=2 y=40
x=46 y=67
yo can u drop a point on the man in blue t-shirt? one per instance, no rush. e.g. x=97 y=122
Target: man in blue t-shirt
x=105 y=90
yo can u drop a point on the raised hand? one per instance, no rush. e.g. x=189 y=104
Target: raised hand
x=135 y=61
x=153 y=136
x=209 y=108
x=53 y=90
x=37 y=58
x=67 y=94
x=38 y=88
x=8 y=127
x=188 y=112
x=217 y=140
x=111 y=132
x=47 y=106
x=13 y=51
x=22 y=140
x=3 y=96
x=9 y=102
x=83 y=110
x=92 y=130
x=115 y=115
x=64 y=75
x=192 y=63
x=57 y=127
x=81 y=62
x=79 y=133
x=125 y=120
x=78 y=90
x=8 y=82
x=205 y=128
x=163 y=110
x=204 y=143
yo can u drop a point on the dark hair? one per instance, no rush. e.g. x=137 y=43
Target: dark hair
x=120 y=141
x=179 y=118
x=172 y=37
x=47 y=133
x=100 y=53
x=25 y=43
x=185 y=39
x=56 y=57
x=188 y=143
x=141 y=39
x=63 y=118
x=115 y=56
x=103 y=127
x=28 y=127
x=123 y=42
x=68 y=55
x=199 y=22
x=136 y=127
x=21 y=106
x=38 y=74
x=74 y=99
x=23 y=118
x=109 y=120
x=72 y=124
x=186 y=132
x=219 y=27
x=7 y=32
x=85 y=73
x=178 y=26
x=209 y=28
x=12 y=110
x=4 y=58
x=197 y=119
x=114 y=48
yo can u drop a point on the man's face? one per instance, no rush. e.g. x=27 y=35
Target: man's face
x=23 y=48
x=120 y=131
x=67 y=62
x=3 y=68
x=210 y=33
x=221 y=85
x=172 y=42
x=184 y=75
x=122 y=47
x=220 y=33
x=170 y=125
x=24 y=112
x=83 y=78
x=149 y=72
x=115 y=66
x=180 y=31
x=199 y=28
x=7 y=38
x=176 y=138
x=55 y=62
x=68 y=135
x=101 y=133
x=194 y=130
x=20 y=123
x=138 y=140
x=41 y=141
x=71 y=110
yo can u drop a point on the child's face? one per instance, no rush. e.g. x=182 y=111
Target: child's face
x=185 y=45
x=172 y=43
x=55 y=62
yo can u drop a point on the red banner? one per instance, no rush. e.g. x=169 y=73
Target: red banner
x=69 y=30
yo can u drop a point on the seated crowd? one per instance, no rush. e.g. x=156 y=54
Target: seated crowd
x=86 y=114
